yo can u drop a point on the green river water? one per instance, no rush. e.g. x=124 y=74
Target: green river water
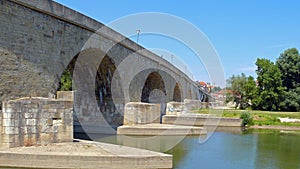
x=260 y=150
x=255 y=149
x=233 y=149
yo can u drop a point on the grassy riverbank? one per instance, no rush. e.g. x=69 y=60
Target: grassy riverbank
x=260 y=118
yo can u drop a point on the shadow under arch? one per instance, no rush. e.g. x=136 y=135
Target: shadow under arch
x=103 y=92
x=154 y=89
x=94 y=107
x=147 y=81
x=177 y=93
x=152 y=86
x=65 y=82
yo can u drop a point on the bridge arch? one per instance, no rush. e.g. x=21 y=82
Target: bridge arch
x=177 y=93
x=65 y=82
x=103 y=91
x=150 y=82
x=92 y=72
x=154 y=89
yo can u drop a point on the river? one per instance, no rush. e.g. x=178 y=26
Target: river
x=233 y=149
x=260 y=149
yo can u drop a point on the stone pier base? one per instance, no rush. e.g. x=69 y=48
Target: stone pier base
x=141 y=113
x=200 y=120
x=160 y=130
x=35 y=121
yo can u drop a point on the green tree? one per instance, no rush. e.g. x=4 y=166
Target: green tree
x=216 y=89
x=291 y=100
x=242 y=90
x=66 y=81
x=270 y=92
x=289 y=65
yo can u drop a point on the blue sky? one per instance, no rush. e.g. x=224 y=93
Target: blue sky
x=241 y=31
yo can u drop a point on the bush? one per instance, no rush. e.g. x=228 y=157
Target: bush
x=247 y=118
x=66 y=81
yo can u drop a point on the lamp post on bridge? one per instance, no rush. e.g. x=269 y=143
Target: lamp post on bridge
x=138 y=34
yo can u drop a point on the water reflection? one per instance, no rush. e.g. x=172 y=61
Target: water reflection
x=251 y=150
x=283 y=151
x=233 y=150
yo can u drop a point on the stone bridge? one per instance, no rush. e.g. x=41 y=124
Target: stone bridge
x=41 y=39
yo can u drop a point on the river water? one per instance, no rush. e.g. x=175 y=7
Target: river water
x=232 y=149
x=259 y=149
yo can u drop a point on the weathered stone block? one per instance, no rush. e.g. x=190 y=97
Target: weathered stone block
x=174 y=108
x=10 y=138
x=8 y=123
x=65 y=95
x=30 y=130
x=141 y=113
x=29 y=141
x=1 y=117
x=10 y=130
x=192 y=104
x=8 y=115
x=30 y=122
x=30 y=115
x=38 y=123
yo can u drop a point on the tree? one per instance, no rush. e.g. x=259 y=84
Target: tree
x=291 y=100
x=242 y=90
x=270 y=92
x=289 y=65
x=216 y=89
x=66 y=81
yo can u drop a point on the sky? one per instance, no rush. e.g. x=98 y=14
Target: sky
x=240 y=31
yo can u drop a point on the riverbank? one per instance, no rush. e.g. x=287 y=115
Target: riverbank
x=261 y=119
x=288 y=128
x=83 y=154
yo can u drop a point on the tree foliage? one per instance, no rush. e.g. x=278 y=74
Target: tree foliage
x=291 y=100
x=289 y=65
x=269 y=92
x=278 y=84
x=242 y=90
x=216 y=89
x=247 y=119
x=66 y=81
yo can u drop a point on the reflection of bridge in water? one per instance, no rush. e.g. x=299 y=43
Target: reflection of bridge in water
x=40 y=39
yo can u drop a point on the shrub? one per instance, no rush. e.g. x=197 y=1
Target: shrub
x=66 y=81
x=247 y=118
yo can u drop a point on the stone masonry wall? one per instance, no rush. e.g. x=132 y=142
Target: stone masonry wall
x=0 y=126
x=35 y=121
x=175 y=108
x=35 y=48
x=141 y=113
x=38 y=40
